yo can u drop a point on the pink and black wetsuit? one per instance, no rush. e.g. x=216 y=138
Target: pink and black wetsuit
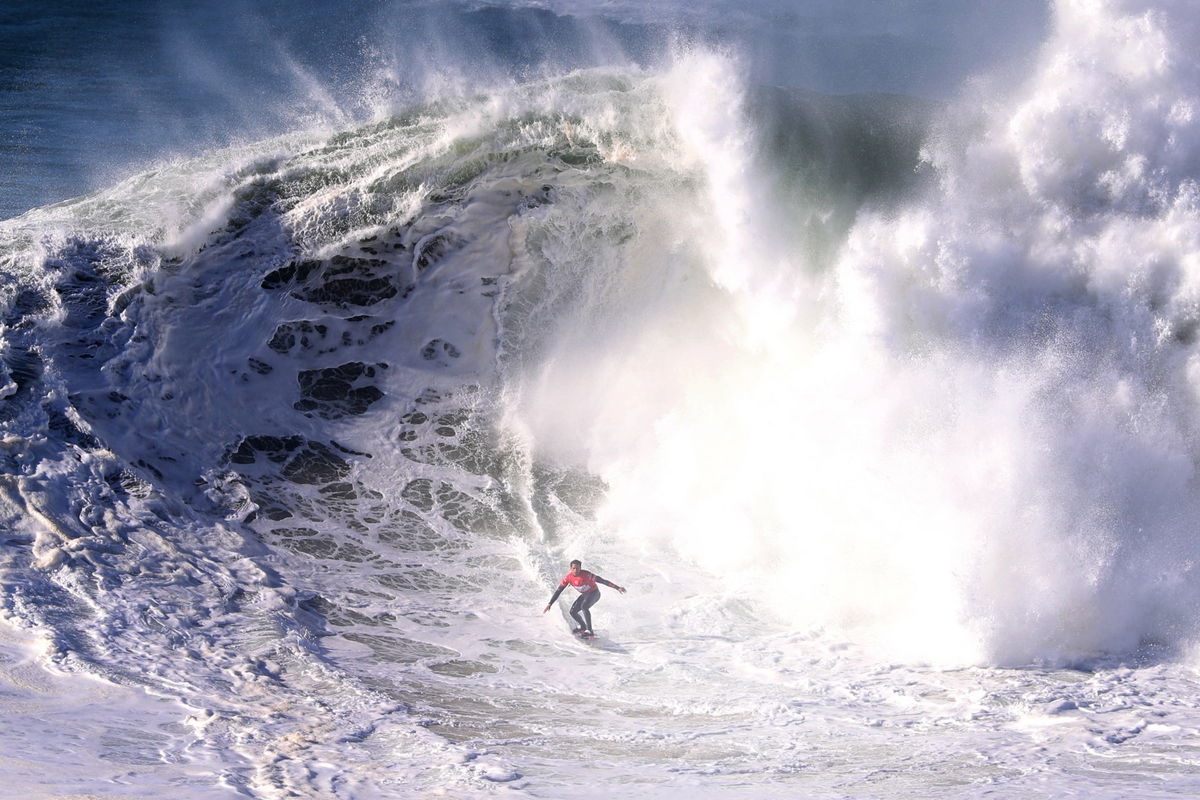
x=589 y=595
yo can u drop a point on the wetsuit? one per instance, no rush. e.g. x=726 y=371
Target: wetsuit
x=589 y=595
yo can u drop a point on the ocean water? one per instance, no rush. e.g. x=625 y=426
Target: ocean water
x=859 y=341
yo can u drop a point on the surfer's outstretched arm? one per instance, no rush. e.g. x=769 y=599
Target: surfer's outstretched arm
x=620 y=589
x=554 y=596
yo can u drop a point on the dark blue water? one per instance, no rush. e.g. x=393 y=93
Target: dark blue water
x=92 y=91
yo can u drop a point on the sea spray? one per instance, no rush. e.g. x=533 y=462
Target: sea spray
x=1057 y=260
x=972 y=438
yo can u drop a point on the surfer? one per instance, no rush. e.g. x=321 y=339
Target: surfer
x=589 y=595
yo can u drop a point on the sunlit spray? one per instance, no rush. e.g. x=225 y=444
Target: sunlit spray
x=979 y=447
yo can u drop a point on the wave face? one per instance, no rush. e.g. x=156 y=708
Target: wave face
x=866 y=398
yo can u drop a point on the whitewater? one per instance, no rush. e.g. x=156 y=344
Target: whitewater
x=878 y=391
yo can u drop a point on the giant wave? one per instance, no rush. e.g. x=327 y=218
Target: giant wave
x=299 y=432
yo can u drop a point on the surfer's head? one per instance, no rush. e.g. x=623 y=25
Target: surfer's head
x=576 y=565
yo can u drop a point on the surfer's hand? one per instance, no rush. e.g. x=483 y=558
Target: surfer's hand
x=621 y=589
x=547 y=608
